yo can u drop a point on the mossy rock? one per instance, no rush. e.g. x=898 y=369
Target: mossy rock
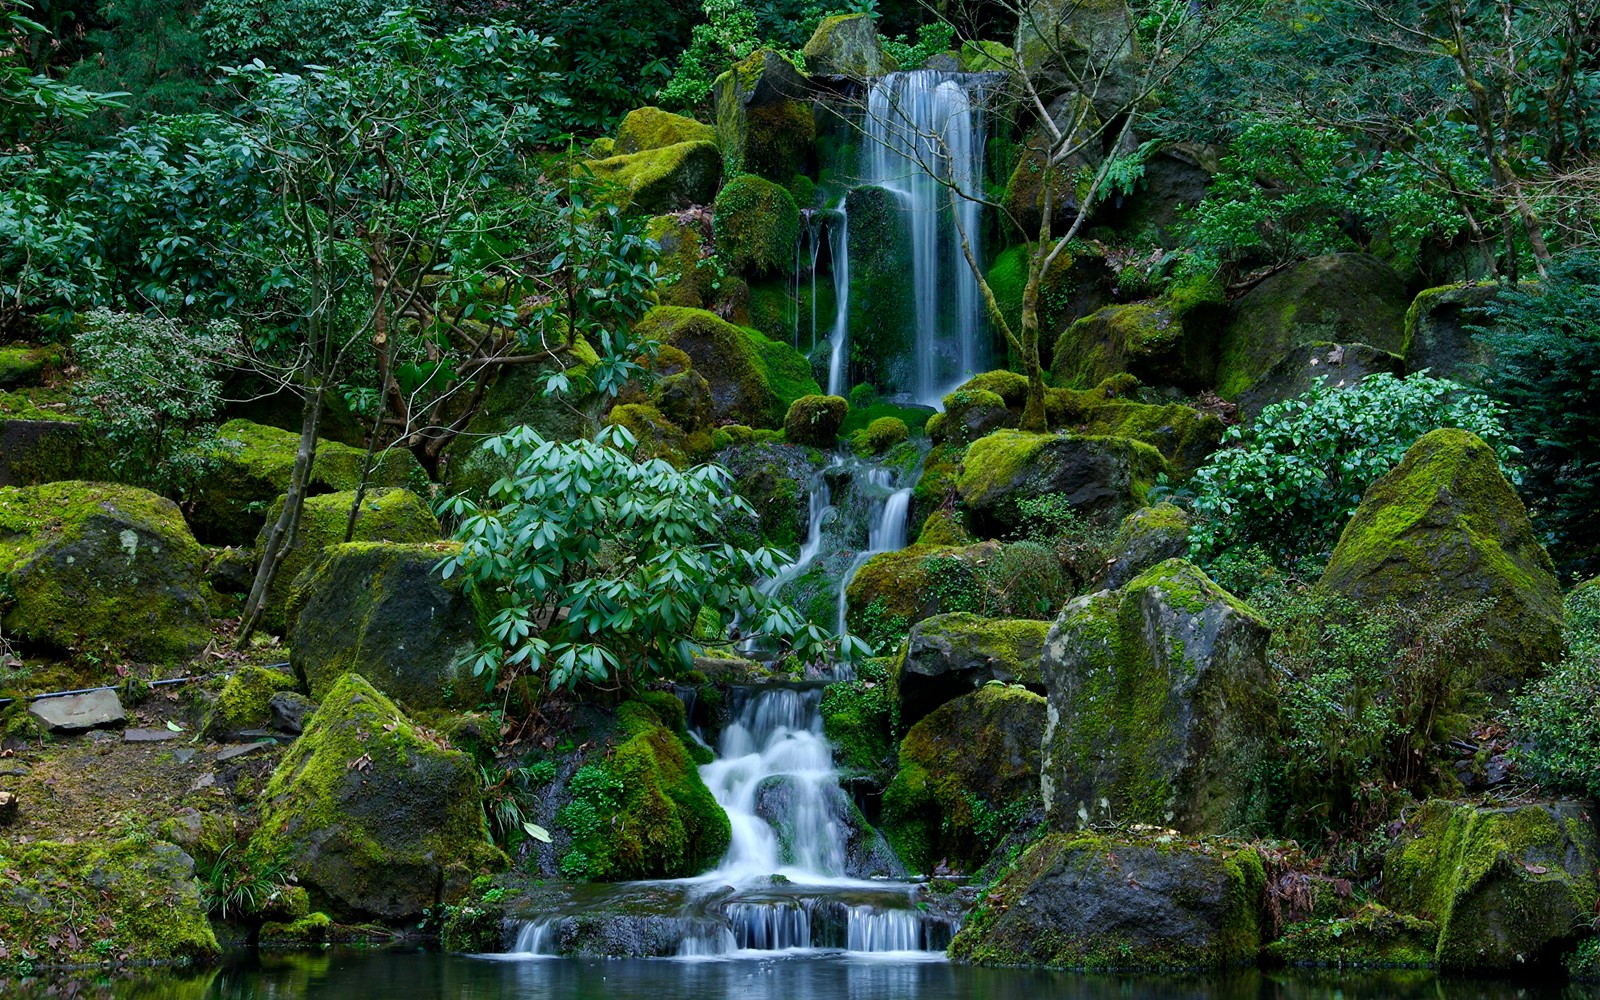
x=387 y=514
x=383 y=610
x=775 y=479
x=944 y=528
x=1302 y=367
x=244 y=702
x=1148 y=537
x=954 y=654
x=1063 y=292
x=1162 y=707
x=1342 y=298
x=650 y=128
x=1169 y=341
x=879 y=436
x=847 y=45
x=904 y=581
x=1184 y=436
x=1444 y=525
x=373 y=814
x=1080 y=901
x=858 y=719
x=882 y=317
x=1508 y=887
x=815 y=420
x=753 y=379
x=1032 y=178
x=756 y=226
x=654 y=435
x=684 y=398
x=665 y=179
x=1372 y=938
x=34 y=451
x=23 y=365
x=1062 y=43
x=978 y=56
x=253 y=467
x=764 y=118
x=101 y=569
x=126 y=902
x=1099 y=476
x=687 y=275
x=1437 y=338
x=962 y=767
x=973 y=411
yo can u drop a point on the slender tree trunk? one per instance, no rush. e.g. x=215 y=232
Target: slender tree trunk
x=281 y=537
x=378 y=261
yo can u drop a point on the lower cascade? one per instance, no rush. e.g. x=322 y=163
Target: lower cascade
x=793 y=878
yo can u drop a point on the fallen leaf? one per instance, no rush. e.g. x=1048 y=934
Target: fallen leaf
x=1536 y=869
x=174 y=726
x=537 y=832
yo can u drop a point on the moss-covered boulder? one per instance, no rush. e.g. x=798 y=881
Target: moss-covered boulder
x=665 y=179
x=775 y=479
x=969 y=773
x=654 y=435
x=898 y=588
x=1445 y=526
x=103 y=570
x=652 y=128
x=1148 y=537
x=687 y=275
x=1063 y=43
x=1099 y=476
x=386 y=514
x=1033 y=182
x=857 y=718
x=756 y=226
x=382 y=609
x=1162 y=706
x=254 y=463
x=1343 y=298
x=373 y=814
x=972 y=413
x=1372 y=937
x=978 y=56
x=1301 y=367
x=764 y=118
x=1510 y=888
x=882 y=317
x=815 y=420
x=847 y=45
x=752 y=379
x=245 y=702
x=1168 y=341
x=1184 y=436
x=24 y=365
x=1437 y=335
x=879 y=436
x=127 y=902
x=953 y=654
x=1081 y=901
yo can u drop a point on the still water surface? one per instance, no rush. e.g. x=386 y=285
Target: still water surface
x=357 y=975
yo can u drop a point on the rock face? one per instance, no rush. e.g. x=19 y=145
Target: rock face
x=1086 y=902
x=74 y=713
x=774 y=478
x=755 y=224
x=764 y=118
x=1437 y=338
x=959 y=767
x=375 y=817
x=1445 y=525
x=381 y=609
x=1064 y=42
x=664 y=179
x=1031 y=181
x=1169 y=341
x=145 y=891
x=1297 y=371
x=847 y=45
x=815 y=420
x=104 y=569
x=954 y=654
x=882 y=312
x=1161 y=706
x=1148 y=537
x=1099 y=476
x=40 y=451
x=1508 y=887
x=1344 y=298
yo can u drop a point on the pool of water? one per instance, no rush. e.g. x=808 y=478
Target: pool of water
x=371 y=975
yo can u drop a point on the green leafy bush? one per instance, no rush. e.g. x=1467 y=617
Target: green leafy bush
x=1560 y=713
x=1288 y=482
x=932 y=38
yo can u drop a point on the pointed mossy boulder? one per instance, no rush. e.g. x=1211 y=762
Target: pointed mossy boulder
x=664 y=179
x=1162 y=707
x=765 y=124
x=847 y=45
x=954 y=654
x=1445 y=525
x=1148 y=537
x=373 y=814
x=102 y=569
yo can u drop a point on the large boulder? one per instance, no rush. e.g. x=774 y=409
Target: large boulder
x=1072 y=45
x=1510 y=887
x=651 y=128
x=1169 y=341
x=764 y=118
x=847 y=45
x=47 y=450
x=373 y=814
x=1080 y=901
x=752 y=379
x=382 y=609
x=688 y=274
x=1099 y=476
x=665 y=179
x=1148 y=537
x=1298 y=371
x=815 y=420
x=775 y=479
x=1445 y=526
x=1437 y=338
x=102 y=569
x=83 y=903
x=756 y=226
x=1344 y=298
x=1161 y=706
x=968 y=771
x=953 y=654
x=897 y=588
x=254 y=463
x=386 y=514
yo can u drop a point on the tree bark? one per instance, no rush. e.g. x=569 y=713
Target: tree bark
x=281 y=537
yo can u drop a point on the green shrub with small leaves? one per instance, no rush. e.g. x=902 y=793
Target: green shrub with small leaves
x=1559 y=714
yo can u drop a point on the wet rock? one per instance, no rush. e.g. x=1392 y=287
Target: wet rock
x=238 y=750
x=815 y=420
x=1161 y=707
x=75 y=713
x=290 y=710
x=866 y=853
x=1148 y=537
x=1098 y=476
x=1437 y=336
x=951 y=655
x=1340 y=365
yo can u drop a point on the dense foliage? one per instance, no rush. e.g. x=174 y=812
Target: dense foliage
x=1560 y=713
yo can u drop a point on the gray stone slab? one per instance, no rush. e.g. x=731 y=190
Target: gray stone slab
x=75 y=713
x=148 y=735
x=242 y=750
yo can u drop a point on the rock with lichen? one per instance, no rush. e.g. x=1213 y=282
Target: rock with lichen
x=765 y=123
x=953 y=654
x=1148 y=537
x=1098 y=475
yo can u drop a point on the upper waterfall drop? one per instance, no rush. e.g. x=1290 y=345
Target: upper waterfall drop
x=925 y=142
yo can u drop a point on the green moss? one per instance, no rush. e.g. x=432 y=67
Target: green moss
x=936 y=487
x=815 y=420
x=979 y=56
x=943 y=528
x=756 y=225
x=879 y=436
x=651 y=128
x=310 y=930
x=687 y=277
x=1374 y=937
x=787 y=371
x=861 y=416
x=1168 y=341
x=902 y=580
x=242 y=702
x=857 y=719
x=882 y=315
x=90 y=902
x=1008 y=465
x=37 y=404
x=657 y=436
x=764 y=122
x=752 y=379
x=25 y=364
x=665 y=179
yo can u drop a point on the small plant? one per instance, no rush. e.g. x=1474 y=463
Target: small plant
x=243 y=883
x=1560 y=713
x=503 y=789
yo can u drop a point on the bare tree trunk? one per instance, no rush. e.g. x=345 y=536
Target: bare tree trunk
x=377 y=260
x=281 y=537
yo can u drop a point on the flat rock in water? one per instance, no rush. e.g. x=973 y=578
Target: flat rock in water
x=148 y=735
x=241 y=750
x=76 y=712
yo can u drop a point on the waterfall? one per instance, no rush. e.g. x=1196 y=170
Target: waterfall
x=839 y=336
x=886 y=534
x=872 y=929
x=924 y=136
x=539 y=937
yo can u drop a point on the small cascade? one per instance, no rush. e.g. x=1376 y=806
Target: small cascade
x=839 y=335
x=539 y=937
x=925 y=137
x=872 y=929
x=886 y=534
x=772 y=927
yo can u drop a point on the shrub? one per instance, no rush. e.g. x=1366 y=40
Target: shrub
x=1291 y=480
x=1560 y=714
